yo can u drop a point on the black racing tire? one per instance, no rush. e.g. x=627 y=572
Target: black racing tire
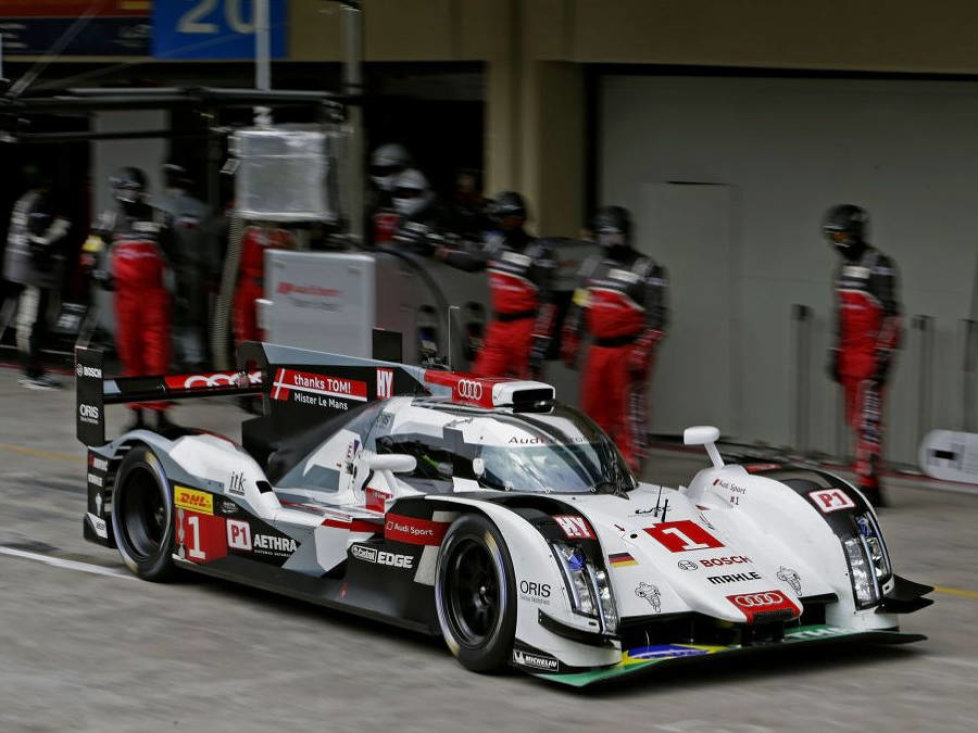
x=142 y=516
x=475 y=594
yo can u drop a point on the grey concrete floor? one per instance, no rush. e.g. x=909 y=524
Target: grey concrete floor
x=86 y=652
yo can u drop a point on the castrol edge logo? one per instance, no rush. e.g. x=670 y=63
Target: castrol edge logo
x=193 y=500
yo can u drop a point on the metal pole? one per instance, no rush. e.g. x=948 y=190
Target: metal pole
x=924 y=326
x=353 y=87
x=263 y=55
x=968 y=373
x=801 y=318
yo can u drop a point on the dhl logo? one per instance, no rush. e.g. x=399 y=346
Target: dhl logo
x=193 y=500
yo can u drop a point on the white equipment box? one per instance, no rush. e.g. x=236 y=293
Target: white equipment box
x=332 y=301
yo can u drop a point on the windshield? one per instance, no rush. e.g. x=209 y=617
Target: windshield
x=554 y=468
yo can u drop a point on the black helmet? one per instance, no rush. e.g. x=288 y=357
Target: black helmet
x=612 y=226
x=845 y=225
x=129 y=184
x=508 y=204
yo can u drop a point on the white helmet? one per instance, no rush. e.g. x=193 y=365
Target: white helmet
x=387 y=162
x=411 y=193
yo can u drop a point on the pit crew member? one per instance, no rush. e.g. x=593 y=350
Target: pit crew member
x=33 y=260
x=621 y=301
x=521 y=272
x=868 y=326
x=255 y=240
x=140 y=240
x=387 y=163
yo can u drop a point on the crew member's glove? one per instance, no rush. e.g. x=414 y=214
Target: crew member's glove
x=104 y=279
x=569 y=344
x=538 y=352
x=882 y=367
x=832 y=365
x=414 y=236
x=640 y=355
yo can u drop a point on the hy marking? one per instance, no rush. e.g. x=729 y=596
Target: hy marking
x=67 y=564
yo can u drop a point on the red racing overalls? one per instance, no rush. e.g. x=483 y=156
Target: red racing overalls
x=255 y=240
x=139 y=237
x=520 y=275
x=622 y=302
x=868 y=324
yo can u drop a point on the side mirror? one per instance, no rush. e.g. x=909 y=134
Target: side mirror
x=705 y=435
x=701 y=435
x=393 y=462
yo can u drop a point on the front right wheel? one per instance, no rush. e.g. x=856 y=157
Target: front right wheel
x=475 y=594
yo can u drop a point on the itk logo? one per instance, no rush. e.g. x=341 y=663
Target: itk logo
x=385 y=384
x=831 y=500
x=576 y=528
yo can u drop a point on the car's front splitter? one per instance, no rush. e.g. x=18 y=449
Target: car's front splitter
x=643 y=659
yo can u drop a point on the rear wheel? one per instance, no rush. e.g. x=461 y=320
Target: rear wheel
x=142 y=515
x=475 y=594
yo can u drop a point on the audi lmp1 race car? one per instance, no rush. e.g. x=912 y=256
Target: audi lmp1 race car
x=484 y=511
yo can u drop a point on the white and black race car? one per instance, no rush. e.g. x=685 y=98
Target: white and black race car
x=485 y=512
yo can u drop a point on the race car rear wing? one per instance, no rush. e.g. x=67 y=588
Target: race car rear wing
x=93 y=392
x=300 y=388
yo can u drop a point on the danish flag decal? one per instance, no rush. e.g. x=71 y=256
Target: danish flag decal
x=290 y=381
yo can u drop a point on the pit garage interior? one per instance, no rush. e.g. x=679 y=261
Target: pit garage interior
x=727 y=129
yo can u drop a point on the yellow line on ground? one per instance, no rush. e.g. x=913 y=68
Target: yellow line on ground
x=41 y=453
x=955 y=592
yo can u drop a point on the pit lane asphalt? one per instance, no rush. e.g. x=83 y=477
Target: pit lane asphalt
x=86 y=652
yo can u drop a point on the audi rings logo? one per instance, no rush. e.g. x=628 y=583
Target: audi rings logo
x=759 y=600
x=217 y=379
x=209 y=380
x=469 y=389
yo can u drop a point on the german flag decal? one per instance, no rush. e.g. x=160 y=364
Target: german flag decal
x=621 y=559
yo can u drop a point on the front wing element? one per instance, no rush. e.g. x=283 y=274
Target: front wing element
x=643 y=659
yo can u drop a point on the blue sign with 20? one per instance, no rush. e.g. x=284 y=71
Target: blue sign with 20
x=214 y=29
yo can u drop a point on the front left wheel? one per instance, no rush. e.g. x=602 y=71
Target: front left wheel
x=142 y=515
x=475 y=594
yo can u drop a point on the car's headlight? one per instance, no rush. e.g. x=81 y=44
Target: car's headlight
x=869 y=530
x=862 y=573
x=587 y=585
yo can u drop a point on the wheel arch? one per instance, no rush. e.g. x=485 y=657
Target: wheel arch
x=533 y=563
